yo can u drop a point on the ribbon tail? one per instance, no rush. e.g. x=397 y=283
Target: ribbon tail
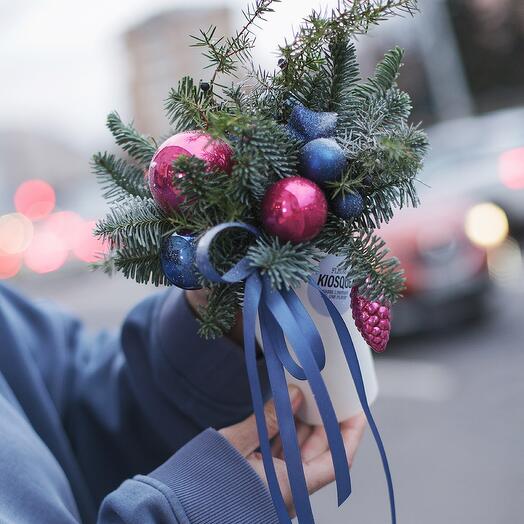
x=285 y=318
x=354 y=367
x=252 y=296
x=286 y=421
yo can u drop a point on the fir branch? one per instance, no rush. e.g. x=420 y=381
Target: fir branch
x=330 y=88
x=208 y=194
x=351 y=17
x=188 y=107
x=366 y=259
x=119 y=179
x=345 y=74
x=386 y=73
x=139 y=263
x=139 y=147
x=134 y=223
x=371 y=267
x=264 y=153
x=224 y=53
x=286 y=265
x=220 y=314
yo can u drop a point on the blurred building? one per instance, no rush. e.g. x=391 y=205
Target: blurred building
x=160 y=54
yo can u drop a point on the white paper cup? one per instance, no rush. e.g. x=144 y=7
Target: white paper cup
x=336 y=374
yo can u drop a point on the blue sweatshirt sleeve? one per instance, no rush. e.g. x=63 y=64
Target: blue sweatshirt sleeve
x=129 y=401
x=205 y=482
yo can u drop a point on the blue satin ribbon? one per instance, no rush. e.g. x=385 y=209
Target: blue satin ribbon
x=282 y=317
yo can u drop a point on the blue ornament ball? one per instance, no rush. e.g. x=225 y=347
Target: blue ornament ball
x=350 y=205
x=178 y=261
x=311 y=125
x=322 y=160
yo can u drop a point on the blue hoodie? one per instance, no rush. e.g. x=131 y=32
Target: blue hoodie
x=112 y=429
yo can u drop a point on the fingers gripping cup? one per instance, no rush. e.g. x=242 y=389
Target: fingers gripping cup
x=336 y=375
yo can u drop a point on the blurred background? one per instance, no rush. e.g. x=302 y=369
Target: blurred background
x=452 y=380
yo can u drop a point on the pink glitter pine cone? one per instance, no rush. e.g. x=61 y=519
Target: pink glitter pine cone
x=372 y=319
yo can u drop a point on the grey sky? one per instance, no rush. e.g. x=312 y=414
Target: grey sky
x=47 y=46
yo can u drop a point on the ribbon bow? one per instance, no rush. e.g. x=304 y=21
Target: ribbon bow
x=283 y=316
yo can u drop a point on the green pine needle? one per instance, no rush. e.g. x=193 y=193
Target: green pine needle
x=319 y=69
x=119 y=179
x=139 y=147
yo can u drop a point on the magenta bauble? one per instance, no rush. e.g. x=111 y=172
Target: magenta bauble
x=294 y=209
x=215 y=153
x=373 y=320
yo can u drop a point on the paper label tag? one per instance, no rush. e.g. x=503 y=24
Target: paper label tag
x=334 y=282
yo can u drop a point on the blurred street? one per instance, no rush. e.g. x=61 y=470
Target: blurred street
x=450 y=412
x=451 y=409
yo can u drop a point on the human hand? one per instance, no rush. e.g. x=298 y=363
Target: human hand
x=316 y=457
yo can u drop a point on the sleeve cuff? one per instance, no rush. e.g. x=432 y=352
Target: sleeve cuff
x=214 y=483
x=206 y=378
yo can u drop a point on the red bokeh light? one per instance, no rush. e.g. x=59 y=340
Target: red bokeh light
x=66 y=225
x=511 y=168
x=35 y=199
x=47 y=252
x=88 y=248
x=9 y=265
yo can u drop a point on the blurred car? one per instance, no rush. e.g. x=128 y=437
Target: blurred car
x=447 y=279
x=472 y=195
x=482 y=159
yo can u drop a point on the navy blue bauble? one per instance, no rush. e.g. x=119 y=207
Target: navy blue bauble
x=178 y=261
x=322 y=160
x=311 y=125
x=350 y=205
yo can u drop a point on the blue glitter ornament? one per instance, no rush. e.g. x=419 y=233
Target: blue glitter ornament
x=350 y=205
x=311 y=125
x=178 y=261
x=322 y=160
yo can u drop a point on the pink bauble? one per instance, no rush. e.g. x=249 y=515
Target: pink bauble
x=372 y=319
x=294 y=209
x=216 y=155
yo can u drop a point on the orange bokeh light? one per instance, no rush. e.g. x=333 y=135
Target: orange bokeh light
x=35 y=199
x=511 y=168
x=9 y=265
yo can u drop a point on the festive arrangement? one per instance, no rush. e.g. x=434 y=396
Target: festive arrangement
x=266 y=176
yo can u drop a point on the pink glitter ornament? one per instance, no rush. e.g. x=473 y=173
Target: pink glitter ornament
x=216 y=155
x=372 y=319
x=294 y=209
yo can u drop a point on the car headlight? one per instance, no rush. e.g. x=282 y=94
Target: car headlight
x=487 y=225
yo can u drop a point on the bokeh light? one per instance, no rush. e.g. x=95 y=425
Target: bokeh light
x=89 y=248
x=487 y=225
x=16 y=232
x=67 y=225
x=47 y=252
x=35 y=199
x=9 y=265
x=511 y=168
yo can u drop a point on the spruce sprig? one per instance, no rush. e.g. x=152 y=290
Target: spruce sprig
x=352 y=17
x=286 y=265
x=139 y=263
x=135 y=222
x=139 y=147
x=225 y=54
x=221 y=311
x=119 y=179
x=319 y=69
x=188 y=107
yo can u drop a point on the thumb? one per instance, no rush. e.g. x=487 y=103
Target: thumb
x=244 y=435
